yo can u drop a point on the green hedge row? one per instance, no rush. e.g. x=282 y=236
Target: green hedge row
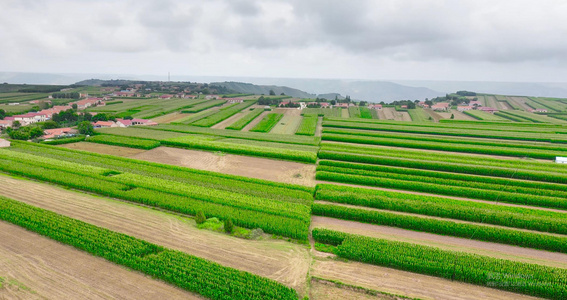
x=308 y=125
x=242 y=122
x=124 y=141
x=267 y=123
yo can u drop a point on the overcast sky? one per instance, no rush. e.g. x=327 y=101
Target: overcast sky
x=497 y=40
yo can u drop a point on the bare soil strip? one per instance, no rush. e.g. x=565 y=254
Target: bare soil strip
x=330 y=291
x=35 y=267
x=405 y=283
x=509 y=252
x=103 y=149
x=319 y=130
x=276 y=259
x=255 y=167
x=435 y=116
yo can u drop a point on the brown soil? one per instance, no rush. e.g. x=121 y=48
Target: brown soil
x=255 y=121
x=391 y=113
x=255 y=167
x=229 y=121
x=445 y=242
x=288 y=111
x=330 y=291
x=35 y=267
x=319 y=130
x=276 y=259
x=103 y=149
x=381 y=114
x=520 y=101
x=404 y=283
x=457 y=115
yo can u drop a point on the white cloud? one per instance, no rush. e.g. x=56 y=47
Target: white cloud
x=402 y=39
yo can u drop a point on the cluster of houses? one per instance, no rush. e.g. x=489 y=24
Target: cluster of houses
x=445 y=106
x=46 y=114
x=327 y=105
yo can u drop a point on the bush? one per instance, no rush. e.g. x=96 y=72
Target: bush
x=200 y=218
x=228 y=225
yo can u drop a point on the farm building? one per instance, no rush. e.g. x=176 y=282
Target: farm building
x=462 y=108
x=57 y=132
x=442 y=106
x=5 y=123
x=488 y=109
x=4 y=143
x=561 y=160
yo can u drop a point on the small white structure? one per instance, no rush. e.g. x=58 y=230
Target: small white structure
x=4 y=143
x=561 y=160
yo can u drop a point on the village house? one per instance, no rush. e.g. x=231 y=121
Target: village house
x=143 y=122
x=423 y=104
x=166 y=96
x=86 y=103
x=462 y=108
x=30 y=118
x=5 y=123
x=325 y=104
x=342 y=105
x=488 y=109
x=538 y=110
x=375 y=106
x=475 y=103
x=58 y=132
x=104 y=124
x=441 y=106
x=235 y=100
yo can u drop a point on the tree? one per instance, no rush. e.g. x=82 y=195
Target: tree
x=333 y=102
x=200 y=218
x=282 y=94
x=362 y=103
x=86 y=128
x=272 y=93
x=74 y=106
x=228 y=225
x=50 y=124
x=2 y=114
x=452 y=116
x=16 y=124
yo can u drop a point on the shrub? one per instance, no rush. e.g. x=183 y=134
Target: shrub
x=200 y=218
x=228 y=225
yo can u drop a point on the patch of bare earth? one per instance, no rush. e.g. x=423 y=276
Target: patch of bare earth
x=345 y=113
x=325 y=290
x=435 y=116
x=502 y=251
x=319 y=130
x=255 y=167
x=35 y=267
x=282 y=261
x=103 y=149
x=404 y=283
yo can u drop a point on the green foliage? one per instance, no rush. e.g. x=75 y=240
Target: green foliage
x=183 y=270
x=124 y=141
x=251 y=203
x=223 y=114
x=25 y=133
x=510 y=216
x=86 y=128
x=445 y=227
x=517 y=277
x=365 y=113
x=62 y=141
x=200 y=218
x=228 y=225
x=242 y=122
x=322 y=112
x=354 y=112
x=308 y=125
x=267 y=123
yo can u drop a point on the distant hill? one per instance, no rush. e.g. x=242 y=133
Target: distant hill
x=248 y=88
x=331 y=96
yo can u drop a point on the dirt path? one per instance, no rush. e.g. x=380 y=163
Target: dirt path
x=103 y=149
x=325 y=290
x=35 y=267
x=230 y=120
x=405 y=283
x=445 y=242
x=255 y=121
x=285 y=262
x=345 y=113
x=319 y=130
x=255 y=167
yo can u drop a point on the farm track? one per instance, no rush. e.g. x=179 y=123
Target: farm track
x=405 y=283
x=276 y=259
x=36 y=267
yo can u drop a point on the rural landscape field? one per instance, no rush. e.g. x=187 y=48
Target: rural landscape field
x=176 y=190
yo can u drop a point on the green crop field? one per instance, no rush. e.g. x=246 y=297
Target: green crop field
x=480 y=201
